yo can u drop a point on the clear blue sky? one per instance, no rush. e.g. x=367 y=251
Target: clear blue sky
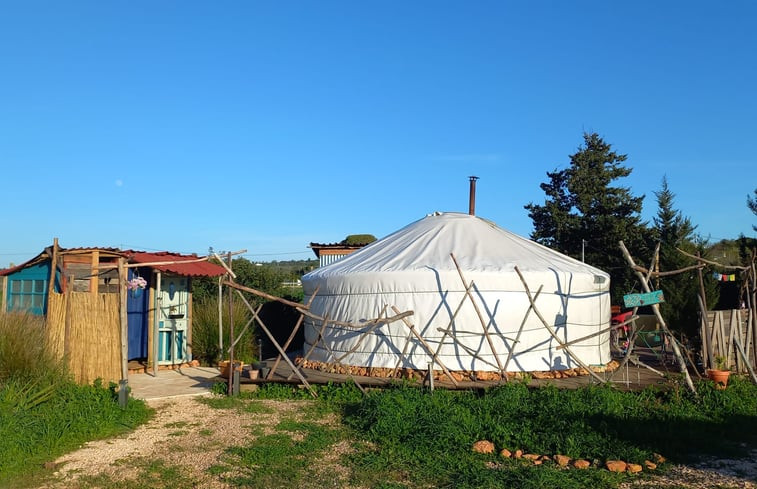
x=179 y=125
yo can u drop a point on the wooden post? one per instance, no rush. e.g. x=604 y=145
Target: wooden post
x=707 y=357
x=53 y=272
x=511 y=353
x=189 y=319
x=94 y=270
x=428 y=349
x=484 y=325
x=710 y=352
x=656 y=309
x=552 y=331
x=740 y=349
x=232 y=368
x=156 y=323
x=407 y=343
x=220 y=318
x=122 y=277
x=286 y=345
x=291 y=336
x=67 y=321
x=276 y=344
x=589 y=336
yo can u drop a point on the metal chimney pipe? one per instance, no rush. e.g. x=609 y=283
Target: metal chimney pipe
x=472 y=199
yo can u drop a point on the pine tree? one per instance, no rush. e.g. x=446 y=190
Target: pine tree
x=673 y=230
x=584 y=213
x=752 y=204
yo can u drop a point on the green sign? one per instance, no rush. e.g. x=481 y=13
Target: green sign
x=646 y=299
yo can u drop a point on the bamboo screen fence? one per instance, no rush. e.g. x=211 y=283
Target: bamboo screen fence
x=726 y=334
x=84 y=327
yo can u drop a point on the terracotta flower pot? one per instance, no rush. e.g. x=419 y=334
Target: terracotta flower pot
x=223 y=366
x=720 y=377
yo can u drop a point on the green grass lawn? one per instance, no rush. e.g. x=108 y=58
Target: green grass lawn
x=405 y=437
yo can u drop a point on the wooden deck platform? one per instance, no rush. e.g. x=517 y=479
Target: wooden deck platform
x=631 y=377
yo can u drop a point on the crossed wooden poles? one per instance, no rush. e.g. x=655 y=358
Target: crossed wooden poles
x=368 y=328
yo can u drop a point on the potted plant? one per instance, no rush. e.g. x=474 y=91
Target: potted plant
x=720 y=373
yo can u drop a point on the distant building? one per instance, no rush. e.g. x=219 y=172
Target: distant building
x=329 y=253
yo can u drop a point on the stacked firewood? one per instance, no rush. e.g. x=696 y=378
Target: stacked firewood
x=458 y=375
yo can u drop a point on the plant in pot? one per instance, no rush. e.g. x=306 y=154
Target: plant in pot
x=720 y=373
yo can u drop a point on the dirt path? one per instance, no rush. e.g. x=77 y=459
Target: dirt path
x=184 y=432
x=189 y=434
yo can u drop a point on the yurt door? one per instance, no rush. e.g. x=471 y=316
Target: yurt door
x=172 y=320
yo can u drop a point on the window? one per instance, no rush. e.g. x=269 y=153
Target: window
x=27 y=295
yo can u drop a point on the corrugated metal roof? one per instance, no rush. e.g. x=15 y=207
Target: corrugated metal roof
x=191 y=267
x=15 y=268
x=194 y=267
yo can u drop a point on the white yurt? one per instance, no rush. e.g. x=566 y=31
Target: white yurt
x=413 y=270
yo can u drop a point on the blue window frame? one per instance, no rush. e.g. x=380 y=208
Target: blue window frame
x=27 y=295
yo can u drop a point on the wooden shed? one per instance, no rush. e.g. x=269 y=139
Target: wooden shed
x=105 y=307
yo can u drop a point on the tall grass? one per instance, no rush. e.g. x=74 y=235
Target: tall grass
x=43 y=413
x=25 y=352
x=205 y=346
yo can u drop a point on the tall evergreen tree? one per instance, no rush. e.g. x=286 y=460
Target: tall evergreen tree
x=673 y=230
x=585 y=214
x=752 y=204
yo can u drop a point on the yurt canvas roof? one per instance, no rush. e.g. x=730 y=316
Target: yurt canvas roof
x=417 y=253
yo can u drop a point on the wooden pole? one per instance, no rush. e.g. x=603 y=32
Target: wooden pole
x=470 y=351
x=428 y=349
x=740 y=349
x=264 y=295
x=656 y=309
x=552 y=331
x=94 y=278
x=616 y=326
x=709 y=352
x=706 y=347
x=286 y=345
x=360 y=339
x=291 y=335
x=67 y=320
x=454 y=316
x=484 y=325
x=122 y=278
x=276 y=344
x=510 y=354
x=404 y=348
x=714 y=263
x=156 y=323
x=53 y=272
x=232 y=367
x=220 y=318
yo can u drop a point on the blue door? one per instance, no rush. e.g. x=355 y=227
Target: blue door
x=137 y=309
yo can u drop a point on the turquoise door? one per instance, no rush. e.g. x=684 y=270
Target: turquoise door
x=173 y=320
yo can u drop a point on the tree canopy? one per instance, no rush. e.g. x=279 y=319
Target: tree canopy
x=585 y=213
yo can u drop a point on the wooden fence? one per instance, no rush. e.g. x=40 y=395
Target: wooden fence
x=726 y=334
x=84 y=327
